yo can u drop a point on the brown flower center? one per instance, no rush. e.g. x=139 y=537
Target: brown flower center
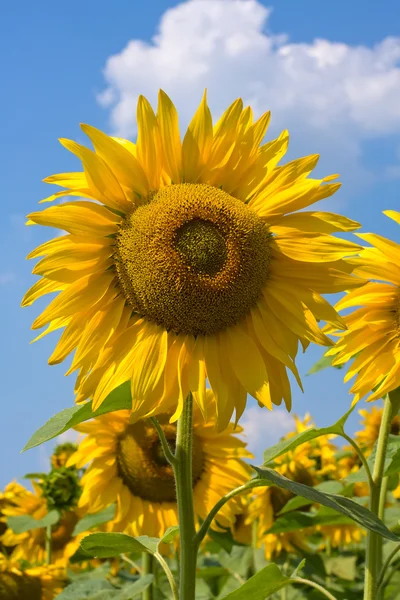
x=193 y=259
x=19 y=587
x=142 y=465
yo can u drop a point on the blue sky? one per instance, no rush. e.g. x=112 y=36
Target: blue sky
x=329 y=71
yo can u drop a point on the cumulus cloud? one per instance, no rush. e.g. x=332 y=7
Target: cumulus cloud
x=264 y=428
x=331 y=95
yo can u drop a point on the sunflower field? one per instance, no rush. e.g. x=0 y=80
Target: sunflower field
x=189 y=272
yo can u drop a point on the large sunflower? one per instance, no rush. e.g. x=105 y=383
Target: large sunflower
x=30 y=546
x=371 y=422
x=38 y=583
x=373 y=330
x=128 y=467
x=191 y=263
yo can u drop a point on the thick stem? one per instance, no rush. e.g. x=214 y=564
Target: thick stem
x=373 y=563
x=147 y=568
x=184 y=494
x=48 y=544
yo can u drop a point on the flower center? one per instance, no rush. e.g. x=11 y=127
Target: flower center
x=19 y=587
x=193 y=259
x=142 y=465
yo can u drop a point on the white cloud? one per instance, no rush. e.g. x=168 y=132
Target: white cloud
x=330 y=95
x=264 y=428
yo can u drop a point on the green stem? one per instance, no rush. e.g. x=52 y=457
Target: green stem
x=217 y=507
x=382 y=498
x=373 y=561
x=48 y=545
x=361 y=456
x=169 y=575
x=387 y=565
x=147 y=568
x=318 y=587
x=164 y=442
x=184 y=495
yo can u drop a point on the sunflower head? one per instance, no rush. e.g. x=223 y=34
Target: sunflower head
x=61 y=488
x=190 y=260
x=38 y=583
x=371 y=341
x=61 y=454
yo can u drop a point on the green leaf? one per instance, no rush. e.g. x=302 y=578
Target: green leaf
x=84 y=590
x=224 y=539
x=170 y=535
x=118 y=399
x=264 y=583
x=342 y=566
x=95 y=519
x=23 y=523
x=295 y=520
x=346 y=506
x=108 y=545
x=135 y=589
x=393 y=448
x=305 y=436
x=332 y=487
x=323 y=363
x=150 y=543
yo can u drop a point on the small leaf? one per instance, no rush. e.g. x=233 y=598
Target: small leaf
x=118 y=399
x=81 y=590
x=342 y=566
x=135 y=589
x=299 y=567
x=305 y=436
x=264 y=583
x=346 y=506
x=170 y=535
x=95 y=519
x=323 y=363
x=23 y=523
x=295 y=521
x=332 y=487
x=150 y=543
x=108 y=545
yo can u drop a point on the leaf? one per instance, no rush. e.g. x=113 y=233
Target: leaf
x=108 y=545
x=305 y=436
x=95 y=519
x=264 y=583
x=118 y=399
x=135 y=589
x=295 y=520
x=224 y=539
x=342 y=566
x=150 y=543
x=346 y=506
x=332 y=487
x=82 y=590
x=23 y=523
x=323 y=363
x=170 y=535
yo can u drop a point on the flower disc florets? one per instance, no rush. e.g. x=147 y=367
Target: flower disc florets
x=143 y=467
x=61 y=488
x=193 y=259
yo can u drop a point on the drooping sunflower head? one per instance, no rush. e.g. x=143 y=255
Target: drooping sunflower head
x=38 y=583
x=61 y=488
x=187 y=260
x=61 y=454
x=372 y=339
x=128 y=467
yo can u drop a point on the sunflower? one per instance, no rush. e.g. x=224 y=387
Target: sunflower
x=188 y=260
x=128 y=467
x=320 y=451
x=30 y=546
x=341 y=535
x=38 y=583
x=373 y=330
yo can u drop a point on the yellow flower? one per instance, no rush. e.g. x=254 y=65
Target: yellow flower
x=373 y=330
x=128 y=467
x=30 y=546
x=341 y=535
x=192 y=262
x=320 y=450
x=38 y=583
x=262 y=513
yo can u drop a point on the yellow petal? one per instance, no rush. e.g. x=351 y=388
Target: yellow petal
x=79 y=218
x=148 y=143
x=197 y=142
x=170 y=138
